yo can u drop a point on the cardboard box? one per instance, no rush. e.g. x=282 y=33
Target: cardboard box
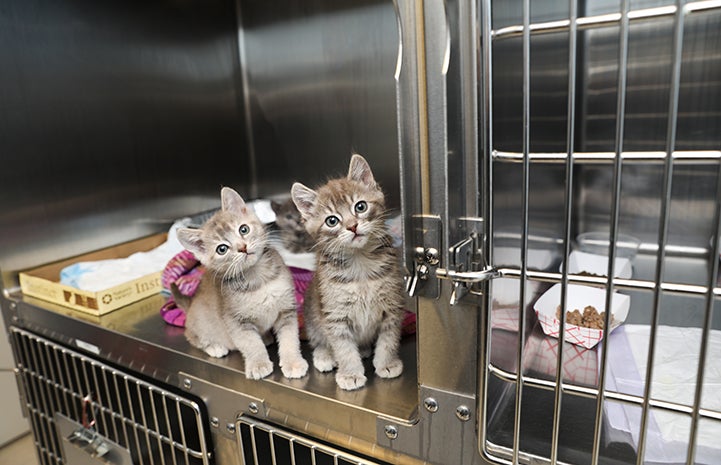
x=43 y=282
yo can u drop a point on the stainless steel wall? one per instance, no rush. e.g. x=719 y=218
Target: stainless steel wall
x=117 y=117
x=321 y=84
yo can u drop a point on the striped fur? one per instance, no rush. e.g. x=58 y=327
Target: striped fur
x=246 y=292
x=354 y=303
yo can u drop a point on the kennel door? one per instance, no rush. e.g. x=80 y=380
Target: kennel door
x=599 y=161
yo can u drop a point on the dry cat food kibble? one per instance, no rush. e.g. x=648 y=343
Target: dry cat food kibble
x=589 y=319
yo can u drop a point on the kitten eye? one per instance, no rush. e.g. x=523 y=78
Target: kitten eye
x=222 y=249
x=244 y=229
x=332 y=221
x=361 y=206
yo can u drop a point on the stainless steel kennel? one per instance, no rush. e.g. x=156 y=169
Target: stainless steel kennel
x=502 y=132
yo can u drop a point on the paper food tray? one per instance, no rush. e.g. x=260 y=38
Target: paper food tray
x=579 y=297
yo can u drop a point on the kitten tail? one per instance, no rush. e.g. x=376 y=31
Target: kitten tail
x=181 y=300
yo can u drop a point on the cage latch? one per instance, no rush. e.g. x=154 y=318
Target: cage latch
x=467 y=269
x=86 y=437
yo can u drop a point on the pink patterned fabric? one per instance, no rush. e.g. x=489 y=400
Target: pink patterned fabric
x=186 y=271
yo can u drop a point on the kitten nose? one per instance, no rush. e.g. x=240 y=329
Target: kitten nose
x=243 y=249
x=353 y=228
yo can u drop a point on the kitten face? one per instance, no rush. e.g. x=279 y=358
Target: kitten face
x=287 y=216
x=231 y=241
x=346 y=213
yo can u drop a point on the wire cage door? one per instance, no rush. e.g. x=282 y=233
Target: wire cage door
x=83 y=411
x=600 y=148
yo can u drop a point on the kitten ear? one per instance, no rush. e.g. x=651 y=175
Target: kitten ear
x=275 y=206
x=232 y=202
x=360 y=171
x=192 y=239
x=304 y=198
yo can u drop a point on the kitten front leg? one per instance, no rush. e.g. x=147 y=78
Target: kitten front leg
x=292 y=363
x=249 y=342
x=350 y=373
x=323 y=358
x=386 y=360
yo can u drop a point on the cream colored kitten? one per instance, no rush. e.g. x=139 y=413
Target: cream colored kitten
x=246 y=292
x=355 y=301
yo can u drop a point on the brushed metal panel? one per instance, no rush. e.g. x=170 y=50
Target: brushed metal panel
x=116 y=117
x=321 y=84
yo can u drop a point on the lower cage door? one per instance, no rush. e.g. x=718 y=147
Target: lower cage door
x=83 y=411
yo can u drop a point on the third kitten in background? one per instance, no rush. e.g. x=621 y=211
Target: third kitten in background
x=291 y=229
x=354 y=304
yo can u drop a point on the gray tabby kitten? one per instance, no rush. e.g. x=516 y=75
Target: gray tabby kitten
x=355 y=299
x=291 y=228
x=245 y=292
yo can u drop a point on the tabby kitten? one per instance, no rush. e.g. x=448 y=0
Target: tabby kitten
x=291 y=228
x=246 y=292
x=354 y=301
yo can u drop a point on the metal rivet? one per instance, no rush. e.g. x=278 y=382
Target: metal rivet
x=253 y=408
x=214 y=422
x=432 y=256
x=391 y=431
x=230 y=427
x=187 y=383
x=13 y=306
x=463 y=413
x=431 y=404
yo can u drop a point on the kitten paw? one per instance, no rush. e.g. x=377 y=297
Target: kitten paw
x=258 y=370
x=216 y=351
x=350 y=381
x=323 y=360
x=392 y=369
x=295 y=369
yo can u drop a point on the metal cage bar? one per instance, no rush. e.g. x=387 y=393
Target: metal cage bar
x=615 y=217
x=708 y=317
x=524 y=222
x=486 y=151
x=664 y=220
x=567 y=217
x=709 y=157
